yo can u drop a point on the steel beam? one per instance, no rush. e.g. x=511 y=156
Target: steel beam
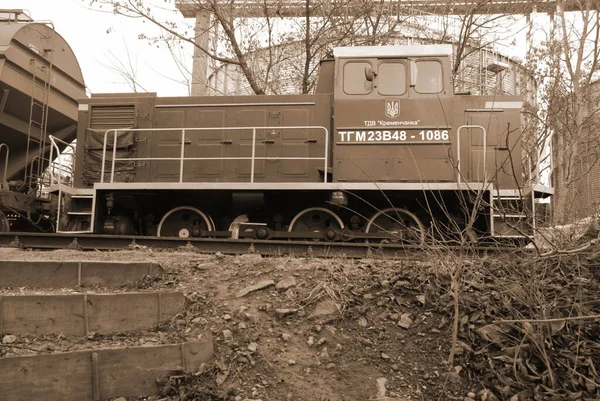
x=297 y=8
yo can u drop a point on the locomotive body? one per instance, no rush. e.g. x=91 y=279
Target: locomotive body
x=384 y=150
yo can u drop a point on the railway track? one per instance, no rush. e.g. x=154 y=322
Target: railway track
x=45 y=241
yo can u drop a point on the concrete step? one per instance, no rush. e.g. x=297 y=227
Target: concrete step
x=82 y=314
x=97 y=374
x=71 y=274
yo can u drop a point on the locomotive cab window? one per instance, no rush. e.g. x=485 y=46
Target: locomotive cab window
x=355 y=82
x=391 y=78
x=428 y=77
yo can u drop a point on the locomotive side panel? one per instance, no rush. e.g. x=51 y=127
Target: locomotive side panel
x=240 y=139
x=216 y=141
x=367 y=149
x=104 y=113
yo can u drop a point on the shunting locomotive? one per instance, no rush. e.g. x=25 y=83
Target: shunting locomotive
x=384 y=150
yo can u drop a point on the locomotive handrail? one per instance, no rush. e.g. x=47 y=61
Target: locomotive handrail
x=458 y=167
x=182 y=157
x=52 y=164
x=3 y=145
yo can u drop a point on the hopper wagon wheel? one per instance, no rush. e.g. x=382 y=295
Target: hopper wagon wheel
x=404 y=226
x=317 y=220
x=4 y=223
x=184 y=222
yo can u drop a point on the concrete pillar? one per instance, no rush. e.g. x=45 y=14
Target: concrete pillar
x=201 y=60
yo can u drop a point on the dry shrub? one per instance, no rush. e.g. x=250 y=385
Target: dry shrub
x=333 y=283
x=524 y=324
x=182 y=386
x=527 y=325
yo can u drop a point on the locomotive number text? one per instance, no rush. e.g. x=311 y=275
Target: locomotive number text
x=394 y=136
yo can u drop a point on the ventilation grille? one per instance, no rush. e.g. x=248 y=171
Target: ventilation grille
x=112 y=116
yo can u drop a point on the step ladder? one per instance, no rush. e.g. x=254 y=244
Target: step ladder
x=37 y=131
x=511 y=216
x=78 y=216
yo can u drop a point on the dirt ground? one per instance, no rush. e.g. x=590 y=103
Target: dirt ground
x=317 y=330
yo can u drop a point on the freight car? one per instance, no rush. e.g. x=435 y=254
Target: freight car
x=40 y=84
x=383 y=151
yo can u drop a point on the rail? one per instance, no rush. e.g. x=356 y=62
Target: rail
x=14 y=15
x=4 y=146
x=323 y=249
x=59 y=165
x=458 y=167
x=253 y=158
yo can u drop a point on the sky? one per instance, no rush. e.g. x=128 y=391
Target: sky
x=99 y=38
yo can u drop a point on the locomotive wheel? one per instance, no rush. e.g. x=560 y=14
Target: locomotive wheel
x=316 y=220
x=400 y=223
x=184 y=222
x=4 y=224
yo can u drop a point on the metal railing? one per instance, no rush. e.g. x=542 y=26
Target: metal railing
x=57 y=168
x=4 y=146
x=181 y=159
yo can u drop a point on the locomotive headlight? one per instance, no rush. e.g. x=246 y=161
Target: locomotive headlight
x=338 y=198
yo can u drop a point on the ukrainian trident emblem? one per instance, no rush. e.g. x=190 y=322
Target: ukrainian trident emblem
x=392 y=108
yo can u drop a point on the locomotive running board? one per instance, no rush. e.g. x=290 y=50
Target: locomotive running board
x=278 y=186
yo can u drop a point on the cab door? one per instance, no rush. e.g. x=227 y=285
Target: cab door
x=502 y=148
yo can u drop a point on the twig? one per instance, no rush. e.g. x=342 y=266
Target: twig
x=455 y=284
x=19 y=347
x=579 y=374
x=549 y=320
x=571 y=251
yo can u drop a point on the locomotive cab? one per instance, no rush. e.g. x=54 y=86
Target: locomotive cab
x=398 y=123
x=393 y=114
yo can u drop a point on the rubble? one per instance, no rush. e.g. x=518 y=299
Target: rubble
x=9 y=339
x=282 y=313
x=405 y=321
x=211 y=266
x=323 y=338
x=286 y=283
x=325 y=311
x=256 y=287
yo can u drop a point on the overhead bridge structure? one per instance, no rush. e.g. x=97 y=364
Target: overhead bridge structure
x=299 y=8
x=203 y=12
